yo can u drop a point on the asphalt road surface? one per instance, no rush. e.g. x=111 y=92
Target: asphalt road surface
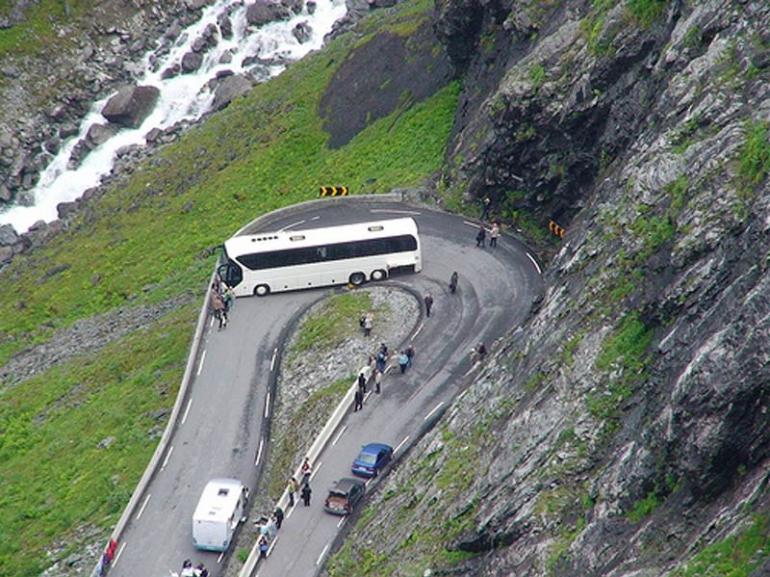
x=223 y=423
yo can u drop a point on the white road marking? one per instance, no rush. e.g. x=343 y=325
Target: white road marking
x=315 y=470
x=321 y=556
x=315 y=217
x=115 y=561
x=200 y=365
x=141 y=509
x=436 y=408
x=387 y=369
x=272 y=361
x=417 y=332
x=267 y=405
x=337 y=438
x=168 y=456
x=394 y=211
x=473 y=224
x=259 y=451
x=221 y=555
x=469 y=371
x=292 y=224
x=272 y=545
x=534 y=262
x=290 y=511
x=187 y=410
x=366 y=396
x=401 y=444
x=341 y=522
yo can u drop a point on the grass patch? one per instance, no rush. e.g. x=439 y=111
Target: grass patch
x=333 y=322
x=754 y=161
x=54 y=476
x=537 y=75
x=644 y=507
x=287 y=447
x=737 y=556
x=646 y=12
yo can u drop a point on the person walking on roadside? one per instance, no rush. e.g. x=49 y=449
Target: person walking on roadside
x=377 y=381
x=368 y=321
x=358 y=400
x=381 y=360
x=306 y=470
x=278 y=516
x=494 y=234
x=428 y=303
x=481 y=235
x=218 y=307
x=453 y=282
x=362 y=383
x=481 y=352
x=228 y=297
x=403 y=360
x=409 y=356
x=264 y=546
x=292 y=489
x=486 y=202
x=306 y=492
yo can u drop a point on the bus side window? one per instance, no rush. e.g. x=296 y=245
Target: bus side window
x=322 y=253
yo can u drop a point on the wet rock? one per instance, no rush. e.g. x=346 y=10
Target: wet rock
x=225 y=26
x=153 y=135
x=131 y=105
x=8 y=235
x=5 y=193
x=191 y=61
x=264 y=11
x=98 y=134
x=302 y=32
x=174 y=70
x=67 y=209
x=6 y=254
x=229 y=88
x=311 y=7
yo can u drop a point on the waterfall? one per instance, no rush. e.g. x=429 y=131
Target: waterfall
x=184 y=97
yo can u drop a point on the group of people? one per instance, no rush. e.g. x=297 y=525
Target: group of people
x=494 y=232
x=189 y=571
x=268 y=528
x=221 y=298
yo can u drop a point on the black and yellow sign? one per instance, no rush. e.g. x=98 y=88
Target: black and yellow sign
x=556 y=229
x=334 y=191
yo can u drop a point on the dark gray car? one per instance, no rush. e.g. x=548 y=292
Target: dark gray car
x=344 y=496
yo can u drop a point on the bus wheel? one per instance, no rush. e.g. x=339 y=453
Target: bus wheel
x=379 y=274
x=261 y=290
x=357 y=278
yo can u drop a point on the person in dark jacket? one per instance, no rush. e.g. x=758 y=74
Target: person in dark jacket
x=428 y=303
x=358 y=400
x=306 y=492
x=481 y=236
x=453 y=282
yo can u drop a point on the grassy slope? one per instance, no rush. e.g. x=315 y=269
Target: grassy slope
x=145 y=241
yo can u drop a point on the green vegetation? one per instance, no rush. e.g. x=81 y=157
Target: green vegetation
x=737 y=556
x=39 y=26
x=320 y=404
x=242 y=554
x=643 y=13
x=54 y=475
x=511 y=211
x=333 y=322
x=537 y=75
x=151 y=238
x=754 y=161
x=644 y=507
x=646 y=12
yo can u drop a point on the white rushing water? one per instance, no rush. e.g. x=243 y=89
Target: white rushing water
x=184 y=97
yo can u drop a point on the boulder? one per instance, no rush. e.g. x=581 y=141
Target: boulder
x=264 y=11
x=302 y=32
x=6 y=254
x=171 y=71
x=98 y=134
x=229 y=88
x=65 y=209
x=131 y=105
x=225 y=26
x=191 y=62
x=5 y=194
x=311 y=6
x=293 y=5
x=8 y=235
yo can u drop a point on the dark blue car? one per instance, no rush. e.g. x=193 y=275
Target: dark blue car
x=372 y=458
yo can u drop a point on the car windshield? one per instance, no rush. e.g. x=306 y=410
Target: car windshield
x=367 y=458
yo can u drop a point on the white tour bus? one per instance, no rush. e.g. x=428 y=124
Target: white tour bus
x=296 y=259
x=219 y=511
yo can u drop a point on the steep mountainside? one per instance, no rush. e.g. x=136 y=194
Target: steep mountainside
x=624 y=429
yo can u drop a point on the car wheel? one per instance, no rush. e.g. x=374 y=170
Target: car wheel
x=261 y=290
x=357 y=278
x=379 y=274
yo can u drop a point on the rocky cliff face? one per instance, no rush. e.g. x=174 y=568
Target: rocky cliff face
x=624 y=430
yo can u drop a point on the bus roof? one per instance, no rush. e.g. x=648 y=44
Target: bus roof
x=218 y=500
x=283 y=239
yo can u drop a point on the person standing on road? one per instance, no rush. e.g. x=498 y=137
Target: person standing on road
x=409 y=356
x=292 y=488
x=428 y=303
x=403 y=361
x=228 y=297
x=306 y=491
x=381 y=360
x=362 y=383
x=264 y=545
x=278 y=515
x=358 y=400
x=453 y=282
x=481 y=235
x=218 y=306
x=306 y=470
x=377 y=381
x=494 y=234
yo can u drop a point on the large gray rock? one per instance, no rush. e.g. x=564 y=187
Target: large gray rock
x=131 y=105
x=264 y=11
x=191 y=62
x=98 y=134
x=8 y=235
x=229 y=88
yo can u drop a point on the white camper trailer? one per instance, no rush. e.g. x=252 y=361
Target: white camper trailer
x=218 y=513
